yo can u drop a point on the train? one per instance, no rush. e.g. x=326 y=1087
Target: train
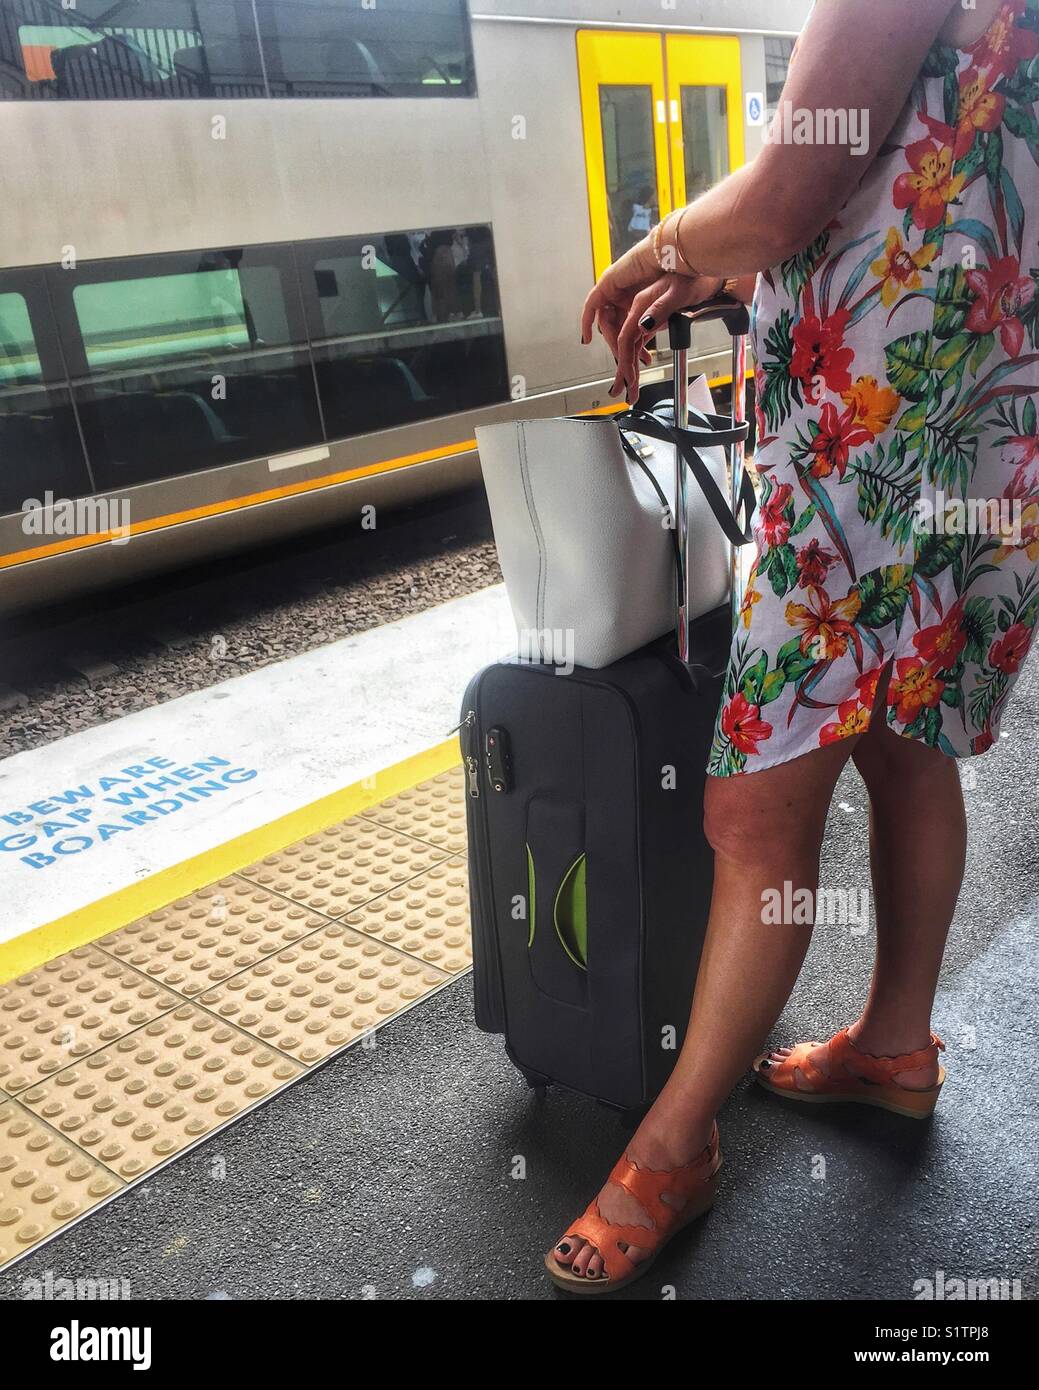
x=265 y=265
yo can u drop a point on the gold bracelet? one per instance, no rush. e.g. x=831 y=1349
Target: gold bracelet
x=678 y=248
x=656 y=244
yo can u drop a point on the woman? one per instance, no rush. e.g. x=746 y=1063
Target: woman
x=895 y=321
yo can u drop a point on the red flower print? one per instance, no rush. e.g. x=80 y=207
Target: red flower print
x=1021 y=450
x=851 y=719
x=1008 y=651
x=826 y=626
x=980 y=109
x=915 y=687
x=1002 y=293
x=866 y=685
x=742 y=725
x=1005 y=45
x=812 y=564
x=931 y=187
x=772 y=526
x=819 y=351
x=982 y=742
x=838 y=435
x=943 y=643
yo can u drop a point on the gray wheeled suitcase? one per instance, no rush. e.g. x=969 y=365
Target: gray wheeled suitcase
x=590 y=877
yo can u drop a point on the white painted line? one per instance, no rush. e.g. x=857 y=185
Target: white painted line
x=298 y=458
x=95 y=812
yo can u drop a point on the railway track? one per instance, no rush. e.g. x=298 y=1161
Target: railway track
x=110 y=654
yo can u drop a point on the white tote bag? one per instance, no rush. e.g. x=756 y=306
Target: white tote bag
x=586 y=547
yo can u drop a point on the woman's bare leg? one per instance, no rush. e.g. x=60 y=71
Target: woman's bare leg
x=918 y=845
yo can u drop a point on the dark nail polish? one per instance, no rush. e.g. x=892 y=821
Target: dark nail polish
x=648 y=323
x=563 y=1249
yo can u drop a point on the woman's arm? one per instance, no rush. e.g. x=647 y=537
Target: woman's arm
x=852 y=57
x=855 y=58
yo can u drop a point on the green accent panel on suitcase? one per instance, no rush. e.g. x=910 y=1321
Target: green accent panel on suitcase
x=570 y=914
x=530 y=896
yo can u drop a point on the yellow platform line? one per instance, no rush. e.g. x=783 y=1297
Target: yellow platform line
x=86 y=924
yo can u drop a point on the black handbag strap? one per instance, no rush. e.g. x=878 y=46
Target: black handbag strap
x=635 y=457
x=686 y=441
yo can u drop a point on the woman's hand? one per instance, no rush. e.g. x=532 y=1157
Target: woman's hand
x=630 y=301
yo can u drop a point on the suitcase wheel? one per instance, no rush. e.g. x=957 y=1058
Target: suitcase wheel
x=538 y=1084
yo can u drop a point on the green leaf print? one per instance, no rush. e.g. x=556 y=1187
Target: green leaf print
x=986 y=694
x=951 y=97
x=1021 y=122
x=940 y=61
x=982 y=349
x=884 y=594
x=979 y=624
x=772 y=687
x=792 y=661
x=754 y=678
x=907 y=365
x=888 y=490
x=951 y=455
x=798 y=270
x=936 y=552
x=780 y=564
x=932 y=725
x=950 y=359
x=805 y=519
x=780 y=387
x=952 y=302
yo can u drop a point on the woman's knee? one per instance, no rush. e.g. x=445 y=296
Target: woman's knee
x=746 y=824
x=891 y=763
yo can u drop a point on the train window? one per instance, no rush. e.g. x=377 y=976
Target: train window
x=403 y=326
x=630 y=162
x=40 y=448
x=706 y=136
x=354 y=48
x=188 y=361
x=100 y=50
x=777 y=64
x=18 y=359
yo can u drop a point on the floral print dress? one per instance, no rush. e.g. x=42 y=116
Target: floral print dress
x=898 y=447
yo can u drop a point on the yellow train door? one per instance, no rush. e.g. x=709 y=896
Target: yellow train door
x=705 y=111
x=663 y=120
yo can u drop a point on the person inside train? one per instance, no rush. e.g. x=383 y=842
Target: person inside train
x=895 y=312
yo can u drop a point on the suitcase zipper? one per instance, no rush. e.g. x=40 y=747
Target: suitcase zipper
x=472 y=763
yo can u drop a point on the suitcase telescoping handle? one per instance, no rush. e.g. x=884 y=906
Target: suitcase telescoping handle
x=736 y=319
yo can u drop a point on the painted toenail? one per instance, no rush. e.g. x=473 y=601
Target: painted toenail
x=563 y=1249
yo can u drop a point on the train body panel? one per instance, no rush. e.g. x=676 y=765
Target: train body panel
x=217 y=310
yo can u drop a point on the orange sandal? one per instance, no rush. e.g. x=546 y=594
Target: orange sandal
x=696 y=1182
x=872 y=1083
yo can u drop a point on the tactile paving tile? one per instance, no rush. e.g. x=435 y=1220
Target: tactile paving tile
x=141 y=1099
x=44 y=1182
x=323 y=993
x=427 y=917
x=433 y=811
x=200 y=941
x=344 y=866
x=68 y=1008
